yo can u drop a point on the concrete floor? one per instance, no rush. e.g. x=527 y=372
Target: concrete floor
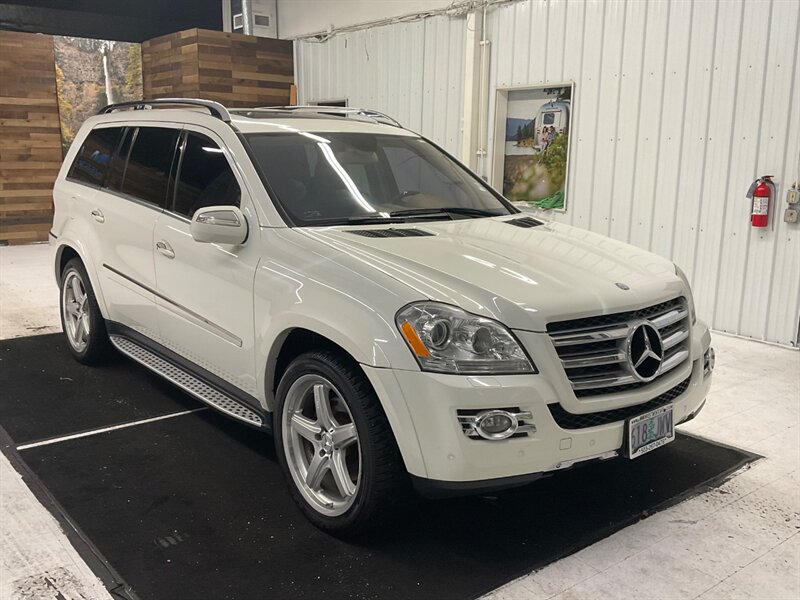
x=739 y=541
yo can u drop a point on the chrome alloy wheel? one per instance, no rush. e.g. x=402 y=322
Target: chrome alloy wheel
x=75 y=309
x=321 y=445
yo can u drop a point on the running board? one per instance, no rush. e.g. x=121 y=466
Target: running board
x=186 y=381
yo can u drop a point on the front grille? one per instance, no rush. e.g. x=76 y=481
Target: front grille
x=593 y=349
x=568 y=420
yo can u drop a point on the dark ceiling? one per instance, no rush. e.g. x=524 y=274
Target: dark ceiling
x=130 y=21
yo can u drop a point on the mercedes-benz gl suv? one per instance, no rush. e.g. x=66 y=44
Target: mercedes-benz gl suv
x=337 y=280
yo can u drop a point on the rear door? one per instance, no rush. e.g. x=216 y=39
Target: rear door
x=205 y=291
x=124 y=214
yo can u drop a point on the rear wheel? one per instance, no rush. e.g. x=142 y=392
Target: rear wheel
x=81 y=319
x=335 y=444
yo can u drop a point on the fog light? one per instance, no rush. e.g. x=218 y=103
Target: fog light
x=496 y=425
x=709 y=359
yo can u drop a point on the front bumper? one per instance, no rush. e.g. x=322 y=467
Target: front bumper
x=441 y=458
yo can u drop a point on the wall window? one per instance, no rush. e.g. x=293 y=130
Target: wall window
x=91 y=163
x=205 y=179
x=147 y=173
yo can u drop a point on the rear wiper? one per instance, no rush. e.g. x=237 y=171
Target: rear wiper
x=446 y=211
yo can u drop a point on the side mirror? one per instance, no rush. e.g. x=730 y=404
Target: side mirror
x=219 y=225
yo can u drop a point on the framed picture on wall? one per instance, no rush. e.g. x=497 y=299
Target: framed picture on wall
x=531 y=144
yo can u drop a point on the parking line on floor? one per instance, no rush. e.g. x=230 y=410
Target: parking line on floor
x=74 y=436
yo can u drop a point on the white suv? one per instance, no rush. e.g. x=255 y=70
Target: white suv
x=326 y=275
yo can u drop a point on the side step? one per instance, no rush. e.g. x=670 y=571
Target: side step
x=186 y=381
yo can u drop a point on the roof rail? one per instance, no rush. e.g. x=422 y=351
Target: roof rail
x=338 y=111
x=215 y=108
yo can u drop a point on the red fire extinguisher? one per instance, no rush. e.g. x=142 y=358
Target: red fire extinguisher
x=761 y=196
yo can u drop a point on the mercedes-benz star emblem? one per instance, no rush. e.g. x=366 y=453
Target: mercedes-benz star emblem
x=645 y=352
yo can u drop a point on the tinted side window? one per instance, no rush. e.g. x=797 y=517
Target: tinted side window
x=147 y=173
x=205 y=177
x=117 y=169
x=91 y=163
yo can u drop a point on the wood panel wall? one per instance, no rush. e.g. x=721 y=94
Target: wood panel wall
x=236 y=70
x=30 y=138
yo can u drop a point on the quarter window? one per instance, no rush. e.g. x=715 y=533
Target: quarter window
x=147 y=173
x=206 y=178
x=91 y=163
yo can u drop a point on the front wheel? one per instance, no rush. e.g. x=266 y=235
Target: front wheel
x=335 y=445
x=81 y=319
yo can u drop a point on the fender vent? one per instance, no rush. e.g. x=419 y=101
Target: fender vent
x=525 y=222
x=387 y=233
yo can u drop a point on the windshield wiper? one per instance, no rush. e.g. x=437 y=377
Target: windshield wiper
x=446 y=211
x=366 y=219
x=402 y=216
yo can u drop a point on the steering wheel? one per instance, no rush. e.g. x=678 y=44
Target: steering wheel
x=403 y=195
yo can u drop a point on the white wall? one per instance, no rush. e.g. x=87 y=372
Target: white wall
x=679 y=105
x=302 y=17
x=411 y=71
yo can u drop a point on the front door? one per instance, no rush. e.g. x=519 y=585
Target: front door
x=205 y=291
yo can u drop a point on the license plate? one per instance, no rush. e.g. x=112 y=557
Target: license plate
x=650 y=431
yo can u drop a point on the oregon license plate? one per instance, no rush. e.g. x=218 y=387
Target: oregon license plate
x=650 y=431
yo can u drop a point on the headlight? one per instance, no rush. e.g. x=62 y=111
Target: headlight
x=689 y=296
x=446 y=339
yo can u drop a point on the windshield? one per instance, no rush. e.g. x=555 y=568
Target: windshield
x=332 y=178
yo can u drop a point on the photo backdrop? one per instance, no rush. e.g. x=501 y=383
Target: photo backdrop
x=91 y=74
x=536 y=146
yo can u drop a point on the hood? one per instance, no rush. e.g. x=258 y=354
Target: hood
x=523 y=277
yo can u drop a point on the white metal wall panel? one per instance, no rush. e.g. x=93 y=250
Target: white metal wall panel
x=411 y=71
x=679 y=105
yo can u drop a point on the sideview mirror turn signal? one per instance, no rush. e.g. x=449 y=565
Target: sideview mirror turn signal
x=219 y=225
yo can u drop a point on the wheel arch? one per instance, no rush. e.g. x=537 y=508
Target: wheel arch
x=65 y=252
x=293 y=341
x=288 y=345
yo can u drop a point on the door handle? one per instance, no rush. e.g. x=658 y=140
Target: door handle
x=98 y=215
x=165 y=249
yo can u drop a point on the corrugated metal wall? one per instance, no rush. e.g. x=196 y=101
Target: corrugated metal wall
x=679 y=105
x=411 y=71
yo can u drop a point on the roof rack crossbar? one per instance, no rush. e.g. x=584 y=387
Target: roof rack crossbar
x=215 y=108
x=339 y=111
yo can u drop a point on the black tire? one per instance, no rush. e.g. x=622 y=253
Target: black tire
x=384 y=483
x=97 y=348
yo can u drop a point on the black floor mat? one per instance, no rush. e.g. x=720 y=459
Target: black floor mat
x=45 y=393
x=195 y=507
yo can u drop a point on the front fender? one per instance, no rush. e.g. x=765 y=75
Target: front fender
x=370 y=340
x=297 y=287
